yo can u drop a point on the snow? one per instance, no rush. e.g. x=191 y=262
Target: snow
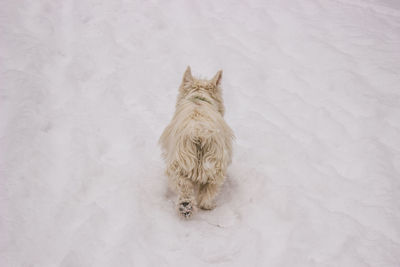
x=311 y=91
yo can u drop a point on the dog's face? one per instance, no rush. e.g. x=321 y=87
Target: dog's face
x=202 y=90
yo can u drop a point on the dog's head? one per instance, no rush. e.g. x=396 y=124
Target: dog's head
x=208 y=91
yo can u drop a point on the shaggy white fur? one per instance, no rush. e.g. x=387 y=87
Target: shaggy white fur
x=197 y=144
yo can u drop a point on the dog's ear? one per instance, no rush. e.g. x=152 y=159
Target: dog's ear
x=217 y=78
x=187 y=77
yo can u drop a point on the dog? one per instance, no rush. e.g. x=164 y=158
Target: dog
x=197 y=144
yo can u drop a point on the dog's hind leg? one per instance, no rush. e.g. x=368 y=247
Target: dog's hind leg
x=207 y=194
x=186 y=199
x=213 y=166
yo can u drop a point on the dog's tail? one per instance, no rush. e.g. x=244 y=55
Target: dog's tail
x=203 y=152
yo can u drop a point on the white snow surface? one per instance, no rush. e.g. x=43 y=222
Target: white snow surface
x=312 y=92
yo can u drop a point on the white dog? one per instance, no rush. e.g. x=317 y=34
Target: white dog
x=197 y=144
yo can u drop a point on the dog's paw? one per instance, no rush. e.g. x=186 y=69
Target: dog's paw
x=186 y=209
x=207 y=205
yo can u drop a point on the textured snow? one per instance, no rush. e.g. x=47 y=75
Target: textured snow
x=311 y=90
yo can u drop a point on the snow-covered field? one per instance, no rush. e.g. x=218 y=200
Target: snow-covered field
x=312 y=91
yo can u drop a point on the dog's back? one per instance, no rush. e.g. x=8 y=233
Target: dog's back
x=197 y=142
